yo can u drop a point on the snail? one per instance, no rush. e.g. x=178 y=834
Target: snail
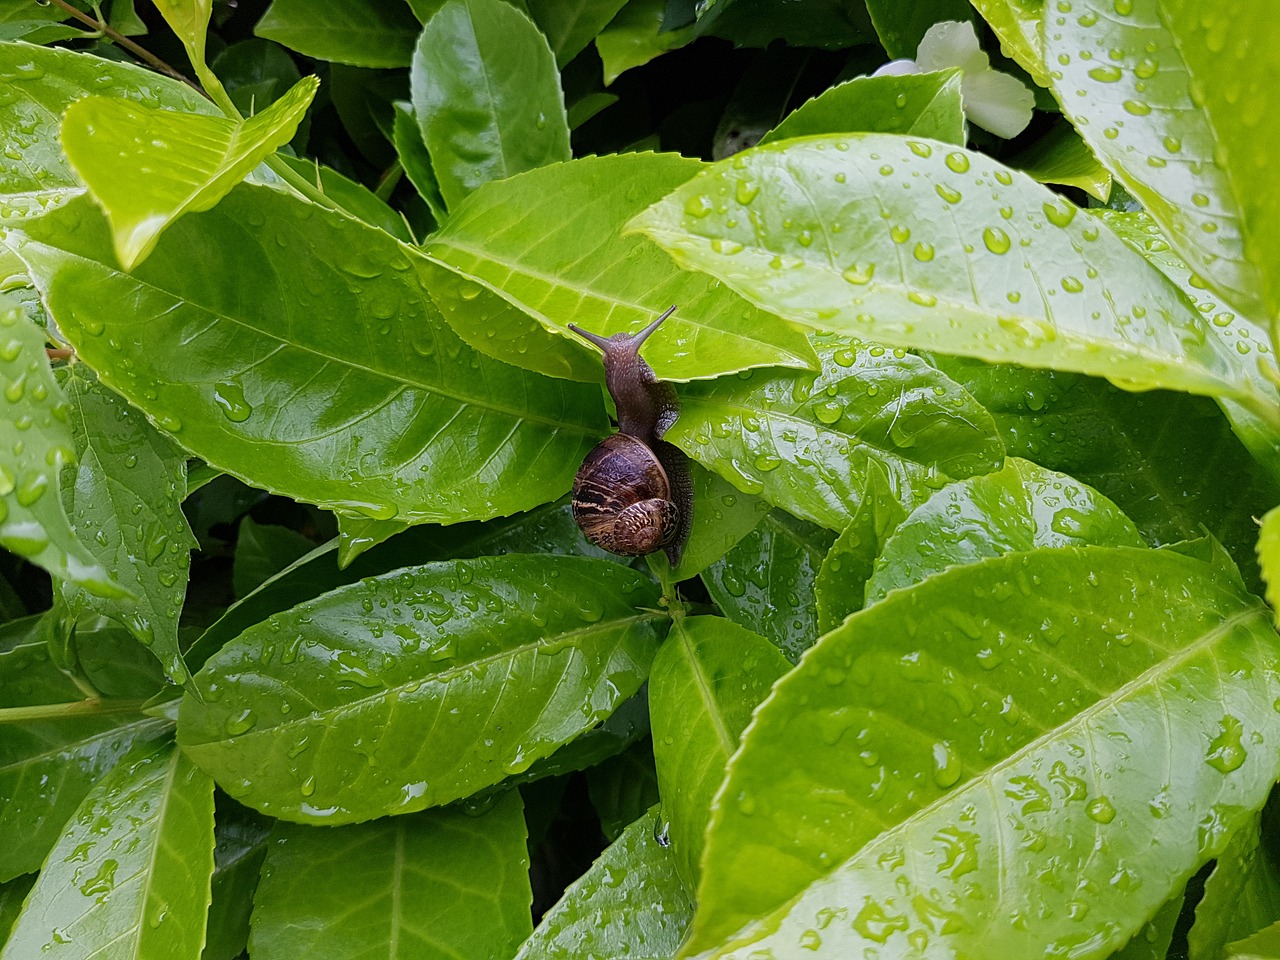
x=633 y=494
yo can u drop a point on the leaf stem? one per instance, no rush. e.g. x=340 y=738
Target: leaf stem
x=142 y=54
x=100 y=707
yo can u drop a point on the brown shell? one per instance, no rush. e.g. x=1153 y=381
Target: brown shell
x=622 y=498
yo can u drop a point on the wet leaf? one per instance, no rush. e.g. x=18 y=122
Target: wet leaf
x=364 y=33
x=262 y=551
x=240 y=846
x=623 y=787
x=901 y=26
x=1017 y=24
x=469 y=672
x=1061 y=157
x=444 y=883
x=1269 y=556
x=570 y=25
x=722 y=516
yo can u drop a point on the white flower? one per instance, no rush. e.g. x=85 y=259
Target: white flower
x=995 y=101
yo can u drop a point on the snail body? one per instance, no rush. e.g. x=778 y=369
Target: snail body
x=633 y=493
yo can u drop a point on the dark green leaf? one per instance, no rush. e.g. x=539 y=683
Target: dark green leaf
x=1263 y=945
x=131 y=869
x=635 y=36
x=569 y=25
x=255 y=73
x=240 y=845
x=630 y=903
x=364 y=33
x=766 y=582
x=722 y=516
x=35 y=444
x=1060 y=156
x=124 y=497
x=804 y=441
x=12 y=894
x=441 y=884
x=407 y=137
x=470 y=671
x=47 y=767
x=925 y=105
x=561 y=260
x=1240 y=896
x=962 y=749
x=1022 y=507
x=707 y=678
x=487 y=96
x=353 y=198
x=623 y=787
x=901 y=26
x=338 y=349
x=262 y=551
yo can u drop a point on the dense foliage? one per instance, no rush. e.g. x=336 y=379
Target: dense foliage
x=301 y=653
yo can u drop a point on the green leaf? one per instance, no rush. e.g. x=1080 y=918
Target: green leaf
x=635 y=36
x=1269 y=556
x=129 y=875
x=1158 y=456
x=148 y=167
x=929 y=252
x=255 y=74
x=766 y=582
x=440 y=884
x=562 y=261
x=1017 y=24
x=364 y=33
x=1009 y=740
x=1061 y=157
x=189 y=20
x=407 y=136
x=1181 y=124
x=570 y=25
x=240 y=846
x=1241 y=895
x=262 y=551
x=1021 y=507
x=901 y=26
x=47 y=767
x=124 y=497
x=487 y=96
x=805 y=441
x=722 y=516
x=12 y=895
x=706 y=680
x=840 y=586
x=36 y=84
x=355 y=199
x=924 y=105
x=528 y=652
x=338 y=349
x=623 y=787
x=1263 y=945
x=631 y=897
x=35 y=444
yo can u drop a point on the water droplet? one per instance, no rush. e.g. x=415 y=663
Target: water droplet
x=308 y=787
x=946 y=765
x=104 y=881
x=1100 y=810
x=860 y=273
x=746 y=191
x=1226 y=752
x=920 y=149
x=1072 y=285
x=229 y=396
x=922 y=299
x=699 y=206
x=923 y=252
x=1106 y=74
x=996 y=240
x=1059 y=214
x=958 y=162
x=900 y=234
x=238 y=723
x=1138 y=108
x=829 y=411
x=949 y=194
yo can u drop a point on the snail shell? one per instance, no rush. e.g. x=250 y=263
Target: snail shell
x=622 y=498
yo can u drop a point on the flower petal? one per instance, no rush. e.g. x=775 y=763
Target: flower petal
x=897 y=68
x=997 y=102
x=951 y=43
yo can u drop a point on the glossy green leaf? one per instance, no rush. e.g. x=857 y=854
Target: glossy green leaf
x=967 y=753
x=129 y=876
x=1171 y=97
x=901 y=26
x=471 y=671
x=923 y=105
x=934 y=249
x=722 y=516
x=840 y=586
x=630 y=903
x=635 y=36
x=805 y=441
x=586 y=107
x=28 y=675
x=262 y=551
x=1061 y=157
x=1269 y=556
x=623 y=787
x=240 y=846
x=124 y=497
x=487 y=96
x=1263 y=945
x=47 y=767
x=570 y=25
x=337 y=318
x=36 y=84
x=706 y=680
x=561 y=260
x=1158 y=456
x=353 y=198
x=12 y=895
x=36 y=443
x=440 y=884
x=1017 y=24
x=1241 y=895
x=766 y=582
x=415 y=160
x=364 y=33
x=1021 y=507
x=256 y=73
x=189 y=20
x=828 y=24
x=1153 y=940
x=148 y=167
